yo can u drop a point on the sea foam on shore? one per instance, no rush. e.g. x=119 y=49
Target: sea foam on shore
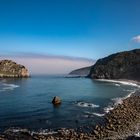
x=118 y=100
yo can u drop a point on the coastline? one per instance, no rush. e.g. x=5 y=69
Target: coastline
x=121 y=123
x=121 y=81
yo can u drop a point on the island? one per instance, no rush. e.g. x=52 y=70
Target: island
x=10 y=69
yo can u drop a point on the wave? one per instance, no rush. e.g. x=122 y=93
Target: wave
x=11 y=85
x=43 y=132
x=131 y=83
x=95 y=114
x=6 y=86
x=117 y=85
x=137 y=134
x=117 y=101
x=84 y=104
x=39 y=132
x=108 y=109
x=99 y=114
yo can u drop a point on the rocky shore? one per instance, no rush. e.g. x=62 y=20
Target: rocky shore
x=123 y=122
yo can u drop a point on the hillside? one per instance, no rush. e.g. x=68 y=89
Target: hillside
x=123 y=65
x=9 y=68
x=81 y=72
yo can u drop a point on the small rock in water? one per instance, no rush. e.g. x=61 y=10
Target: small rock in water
x=56 y=100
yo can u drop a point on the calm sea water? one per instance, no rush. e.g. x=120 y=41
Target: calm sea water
x=26 y=103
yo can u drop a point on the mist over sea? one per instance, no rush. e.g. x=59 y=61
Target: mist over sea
x=26 y=103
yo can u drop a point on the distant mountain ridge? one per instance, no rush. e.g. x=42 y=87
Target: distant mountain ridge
x=81 y=72
x=123 y=65
x=8 y=68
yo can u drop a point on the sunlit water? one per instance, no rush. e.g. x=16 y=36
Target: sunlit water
x=26 y=103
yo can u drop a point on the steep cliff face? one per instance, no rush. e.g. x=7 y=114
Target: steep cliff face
x=123 y=65
x=81 y=72
x=9 y=68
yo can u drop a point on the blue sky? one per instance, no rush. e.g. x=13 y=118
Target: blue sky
x=89 y=29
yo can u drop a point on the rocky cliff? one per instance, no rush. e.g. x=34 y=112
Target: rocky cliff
x=123 y=65
x=9 y=68
x=81 y=72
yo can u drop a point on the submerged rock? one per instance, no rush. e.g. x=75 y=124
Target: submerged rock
x=123 y=65
x=11 y=69
x=56 y=100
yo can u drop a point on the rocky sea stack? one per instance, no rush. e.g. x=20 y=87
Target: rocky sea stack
x=123 y=65
x=11 y=69
x=56 y=100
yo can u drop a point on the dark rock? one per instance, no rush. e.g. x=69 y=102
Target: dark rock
x=56 y=100
x=11 y=69
x=123 y=65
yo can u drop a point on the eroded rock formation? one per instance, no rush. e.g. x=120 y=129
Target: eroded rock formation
x=11 y=69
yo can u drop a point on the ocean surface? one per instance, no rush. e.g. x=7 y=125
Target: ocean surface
x=26 y=103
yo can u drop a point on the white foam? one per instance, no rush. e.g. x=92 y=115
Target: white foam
x=117 y=101
x=11 y=85
x=96 y=114
x=16 y=130
x=85 y=116
x=120 y=82
x=8 y=87
x=84 y=104
x=130 y=90
x=117 y=85
x=43 y=132
x=108 y=109
x=40 y=132
x=137 y=134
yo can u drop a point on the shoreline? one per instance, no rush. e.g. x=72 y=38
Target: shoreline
x=121 y=81
x=123 y=122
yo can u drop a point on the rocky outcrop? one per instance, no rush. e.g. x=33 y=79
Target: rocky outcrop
x=81 y=72
x=123 y=65
x=56 y=100
x=11 y=69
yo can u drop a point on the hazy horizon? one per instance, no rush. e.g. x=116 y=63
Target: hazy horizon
x=49 y=64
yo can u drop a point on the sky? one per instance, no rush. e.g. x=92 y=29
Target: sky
x=57 y=36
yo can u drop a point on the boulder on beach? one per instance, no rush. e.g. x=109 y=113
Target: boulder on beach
x=11 y=69
x=56 y=100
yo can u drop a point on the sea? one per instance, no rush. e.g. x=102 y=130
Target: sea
x=27 y=102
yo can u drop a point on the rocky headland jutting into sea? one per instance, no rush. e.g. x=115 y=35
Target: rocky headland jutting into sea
x=123 y=122
x=80 y=72
x=11 y=69
x=123 y=65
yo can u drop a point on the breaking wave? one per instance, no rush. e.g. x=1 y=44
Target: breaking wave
x=117 y=82
x=95 y=114
x=84 y=104
x=5 y=86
